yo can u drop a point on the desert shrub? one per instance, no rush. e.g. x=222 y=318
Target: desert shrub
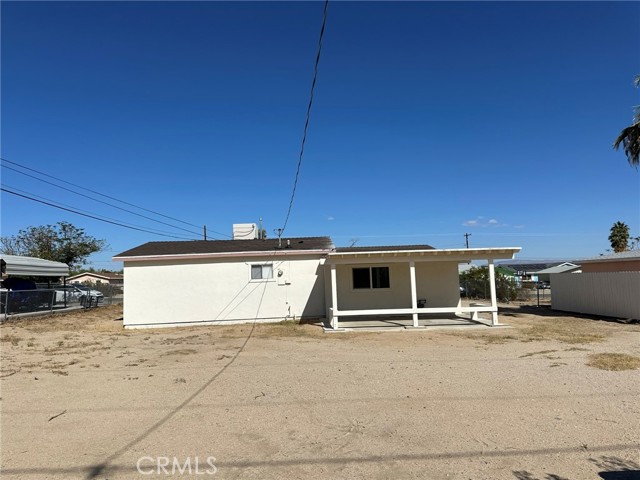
x=476 y=285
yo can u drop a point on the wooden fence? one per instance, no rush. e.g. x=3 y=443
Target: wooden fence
x=610 y=294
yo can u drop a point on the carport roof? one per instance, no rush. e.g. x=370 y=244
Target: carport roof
x=34 y=267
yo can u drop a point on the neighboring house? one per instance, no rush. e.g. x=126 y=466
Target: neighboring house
x=113 y=279
x=628 y=261
x=608 y=286
x=527 y=270
x=233 y=281
x=566 y=267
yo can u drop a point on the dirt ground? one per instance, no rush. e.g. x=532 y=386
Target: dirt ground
x=83 y=398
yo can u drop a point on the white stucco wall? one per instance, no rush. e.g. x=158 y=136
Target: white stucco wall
x=437 y=282
x=221 y=290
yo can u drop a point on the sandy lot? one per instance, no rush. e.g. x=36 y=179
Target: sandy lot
x=83 y=398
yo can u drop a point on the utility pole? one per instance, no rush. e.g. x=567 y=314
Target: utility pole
x=205 y=232
x=466 y=239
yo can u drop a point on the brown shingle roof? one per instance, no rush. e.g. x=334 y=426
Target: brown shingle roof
x=383 y=248
x=227 y=246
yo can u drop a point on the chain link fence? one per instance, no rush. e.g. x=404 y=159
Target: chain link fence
x=51 y=298
x=507 y=290
x=474 y=284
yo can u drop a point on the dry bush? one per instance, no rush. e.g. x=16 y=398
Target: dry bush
x=10 y=338
x=614 y=361
x=561 y=331
x=286 y=328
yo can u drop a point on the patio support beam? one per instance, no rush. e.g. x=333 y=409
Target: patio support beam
x=492 y=286
x=414 y=294
x=334 y=297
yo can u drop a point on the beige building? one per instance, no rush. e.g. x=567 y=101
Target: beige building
x=628 y=261
x=608 y=286
x=233 y=281
x=114 y=279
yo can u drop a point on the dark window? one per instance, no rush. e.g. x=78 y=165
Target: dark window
x=380 y=277
x=371 y=277
x=361 y=278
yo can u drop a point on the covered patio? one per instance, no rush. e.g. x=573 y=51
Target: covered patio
x=408 y=286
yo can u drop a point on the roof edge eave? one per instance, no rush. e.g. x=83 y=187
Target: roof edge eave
x=186 y=256
x=430 y=252
x=610 y=260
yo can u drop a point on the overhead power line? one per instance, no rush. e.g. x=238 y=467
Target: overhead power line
x=97 y=193
x=99 y=201
x=306 y=123
x=106 y=196
x=40 y=197
x=131 y=227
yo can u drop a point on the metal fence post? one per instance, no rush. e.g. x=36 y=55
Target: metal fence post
x=6 y=306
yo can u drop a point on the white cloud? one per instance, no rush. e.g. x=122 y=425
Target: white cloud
x=330 y=217
x=481 y=222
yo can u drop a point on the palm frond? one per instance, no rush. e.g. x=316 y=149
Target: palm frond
x=629 y=138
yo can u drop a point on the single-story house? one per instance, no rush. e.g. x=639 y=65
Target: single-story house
x=628 y=261
x=109 y=278
x=235 y=281
x=527 y=270
x=566 y=267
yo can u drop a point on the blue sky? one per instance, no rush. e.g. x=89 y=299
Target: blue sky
x=429 y=120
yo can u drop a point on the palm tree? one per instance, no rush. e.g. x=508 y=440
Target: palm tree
x=630 y=136
x=619 y=237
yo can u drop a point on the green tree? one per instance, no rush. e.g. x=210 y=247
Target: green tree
x=619 y=237
x=61 y=242
x=629 y=138
x=476 y=283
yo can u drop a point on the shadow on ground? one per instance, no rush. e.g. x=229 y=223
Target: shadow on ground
x=547 y=311
x=617 y=469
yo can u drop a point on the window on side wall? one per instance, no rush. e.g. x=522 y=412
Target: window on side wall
x=262 y=272
x=371 y=277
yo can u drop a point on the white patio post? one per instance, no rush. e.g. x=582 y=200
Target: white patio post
x=414 y=295
x=334 y=297
x=492 y=286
